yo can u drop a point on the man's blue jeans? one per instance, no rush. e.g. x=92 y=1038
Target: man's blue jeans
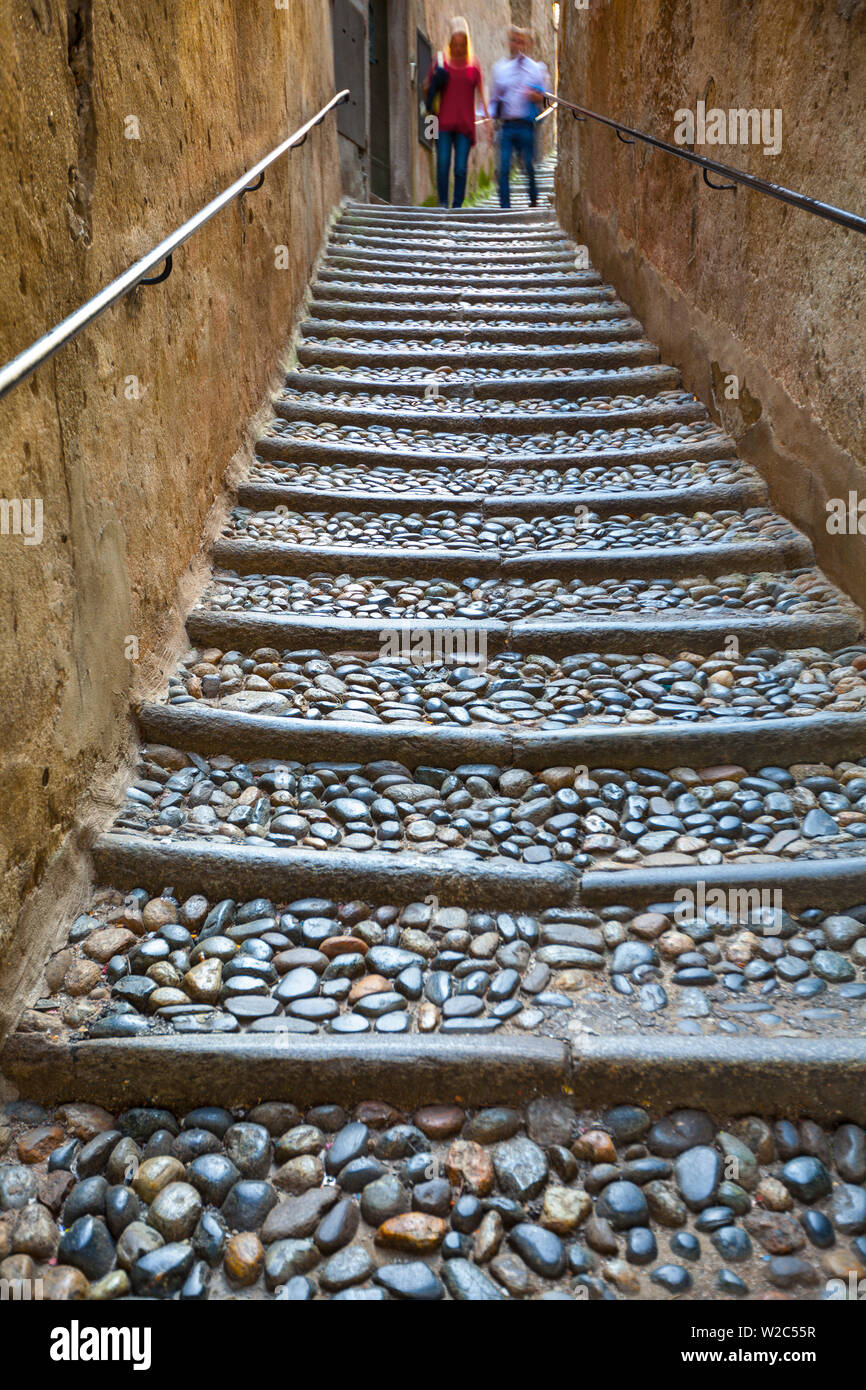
x=461 y=145
x=517 y=136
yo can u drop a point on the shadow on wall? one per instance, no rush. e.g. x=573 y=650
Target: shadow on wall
x=762 y=306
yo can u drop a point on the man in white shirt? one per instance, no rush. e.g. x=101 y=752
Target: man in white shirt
x=517 y=87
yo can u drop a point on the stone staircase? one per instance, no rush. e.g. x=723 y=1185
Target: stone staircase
x=510 y=710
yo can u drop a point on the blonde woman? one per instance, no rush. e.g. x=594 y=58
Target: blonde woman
x=456 y=77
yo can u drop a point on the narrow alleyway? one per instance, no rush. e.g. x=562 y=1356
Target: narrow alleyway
x=509 y=706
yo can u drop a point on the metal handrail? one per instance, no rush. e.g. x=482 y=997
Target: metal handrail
x=851 y=220
x=26 y=362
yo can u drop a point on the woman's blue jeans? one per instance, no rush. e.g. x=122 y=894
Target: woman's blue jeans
x=461 y=145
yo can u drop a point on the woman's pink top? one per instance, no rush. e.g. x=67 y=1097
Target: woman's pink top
x=457 y=110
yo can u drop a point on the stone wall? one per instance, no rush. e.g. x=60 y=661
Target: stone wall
x=733 y=284
x=120 y=122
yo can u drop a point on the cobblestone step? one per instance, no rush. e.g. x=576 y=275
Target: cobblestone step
x=487 y=383
x=471 y=416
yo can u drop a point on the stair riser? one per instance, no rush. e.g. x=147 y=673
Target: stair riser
x=312 y=452
x=318 y=352
x=242 y=872
x=429 y=241
x=748 y=743
x=640 y=380
x=247 y=630
x=183 y=1073
x=769 y=1077
x=263 y=496
x=510 y=423
x=623 y=330
x=478 y=264
x=325 y=311
x=406 y=299
x=511 y=283
x=258 y=557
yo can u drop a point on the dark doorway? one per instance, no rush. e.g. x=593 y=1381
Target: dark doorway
x=380 y=116
x=424 y=60
x=349 y=58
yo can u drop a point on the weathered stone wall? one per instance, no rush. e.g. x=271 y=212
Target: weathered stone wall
x=126 y=435
x=537 y=17
x=733 y=283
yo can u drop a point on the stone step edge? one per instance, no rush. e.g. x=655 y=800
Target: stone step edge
x=427 y=243
x=181 y=1072
x=276 y=557
x=249 y=628
x=337 y=311
x=350 y=225
x=614 y=330
x=375 y=280
x=513 y=422
x=391 y=213
x=288 y=449
x=263 y=495
x=791 y=1078
x=631 y=353
x=538 y=221
x=828 y=883
x=653 y=377
x=328 y=291
x=375 y=876
x=750 y=743
x=457 y=316
x=822 y=1079
x=455 y=262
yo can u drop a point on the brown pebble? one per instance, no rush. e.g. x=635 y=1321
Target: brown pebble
x=244 y=1258
x=595 y=1145
x=81 y=977
x=368 y=984
x=721 y=774
x=64 y=1284
x=439 y=1121
x=649 y=925
x=101 y=945
x=376 y=1114
x=53 y=1188
x=414 y=1232
x=159 y=912
x=37 y=1144
x=599 y=1236
x=777 y=1233
x=35 y=1232
x=343 y=945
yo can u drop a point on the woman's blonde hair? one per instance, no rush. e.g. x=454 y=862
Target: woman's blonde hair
x=459 y=25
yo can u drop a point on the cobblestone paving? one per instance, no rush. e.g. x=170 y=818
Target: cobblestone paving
x=476 y=442
x=500 y=1204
